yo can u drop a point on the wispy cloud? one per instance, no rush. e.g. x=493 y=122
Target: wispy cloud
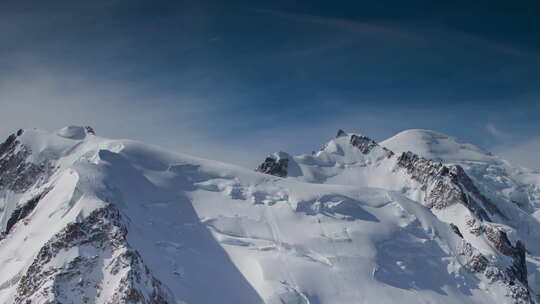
x=227 y=102
x=51 y=100
x=381 y=30
x=495 y=132
x=401 y=32
x=524 y=153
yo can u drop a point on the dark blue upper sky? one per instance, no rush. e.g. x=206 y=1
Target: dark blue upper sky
x=235 y=79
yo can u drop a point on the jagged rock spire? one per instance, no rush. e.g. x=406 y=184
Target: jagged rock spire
x=341 y=133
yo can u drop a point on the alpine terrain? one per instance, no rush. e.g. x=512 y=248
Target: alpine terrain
x=418 y=218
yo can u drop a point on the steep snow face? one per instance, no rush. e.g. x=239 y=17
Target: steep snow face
x=61 y=241
x=355 y=160
x=96 y=220
x=499 y=180
x=505 y=185
x=496 y=177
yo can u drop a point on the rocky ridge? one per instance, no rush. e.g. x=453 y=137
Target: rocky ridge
x=100 y=238
x=444 y=186
x=91 y=259
x=17 y=174
x=104 y=236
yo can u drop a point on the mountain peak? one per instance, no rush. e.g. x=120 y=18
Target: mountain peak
x=352 y=143
x=103 y=220
x=75 y=132
x=435 y=145
x=341 y=133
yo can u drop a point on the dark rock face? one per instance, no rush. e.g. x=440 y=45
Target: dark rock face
x=340 y=133
x=16 y=173
x=475 y=227
x=104 y=232
x=19 y=175
x=459 y=176
x=363 y=143
x=366 y=144
x=274 y=165
x=90 y=130
x=499 y=239
x=514 y=278
x=23 y=211
x=446 y=186
x=519 y=265
x=477 y=263
x=8 y=145
x=519 y=293
x=456 y=230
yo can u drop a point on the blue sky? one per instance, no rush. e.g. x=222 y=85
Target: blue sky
x=235 y=80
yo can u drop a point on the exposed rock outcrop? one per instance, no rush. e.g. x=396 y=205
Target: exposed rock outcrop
x=90 y=130
x=16 y=173
x=366 y=144
x=445 y=186
x=276 y=164
x=23 y=211
x=90 y=259
x=341 y=133
x=448 y=185
x=499 y=239
x=456 y=230
x=363 y=143
x=103 y=254
x=514 y=278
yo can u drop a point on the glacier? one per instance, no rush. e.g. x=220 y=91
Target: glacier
x=418 y=218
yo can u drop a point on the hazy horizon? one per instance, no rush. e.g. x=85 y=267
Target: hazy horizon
x=237 y=81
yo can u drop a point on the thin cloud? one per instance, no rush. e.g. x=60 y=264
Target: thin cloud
x=390 y=31
x=524 y=154
x=45 y=100
x=98 y=81
x=495 y=132
x=382 y=31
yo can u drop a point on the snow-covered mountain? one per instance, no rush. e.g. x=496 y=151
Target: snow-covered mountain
x=418 y=218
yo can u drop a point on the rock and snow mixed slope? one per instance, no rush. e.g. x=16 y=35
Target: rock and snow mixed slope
x=85 y=219
x=514 y=189
x=497 y=178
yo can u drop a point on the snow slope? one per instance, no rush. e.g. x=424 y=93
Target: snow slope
x=506 y=185
x=86 y=219
x=497 y=176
